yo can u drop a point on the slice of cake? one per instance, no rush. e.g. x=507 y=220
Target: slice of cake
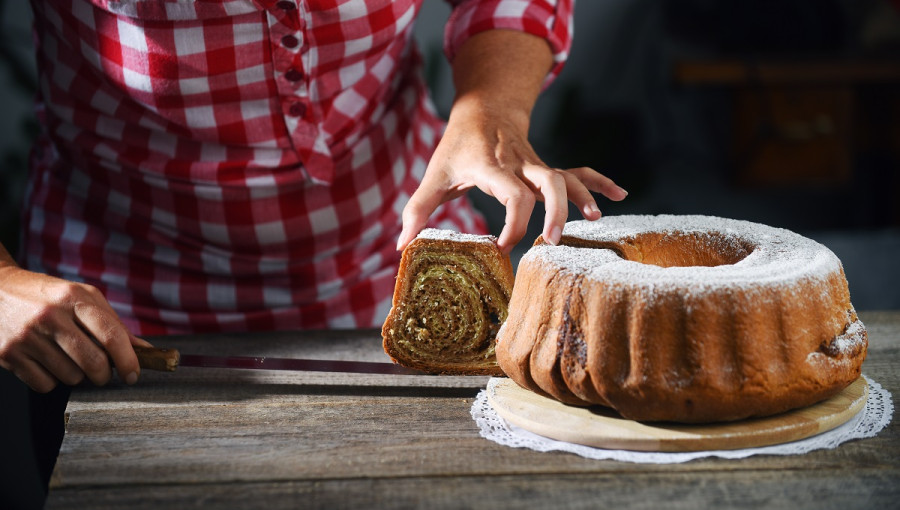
x=450 y=300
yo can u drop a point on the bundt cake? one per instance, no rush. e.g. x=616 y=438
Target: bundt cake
x=450 y=298
x=682 y=318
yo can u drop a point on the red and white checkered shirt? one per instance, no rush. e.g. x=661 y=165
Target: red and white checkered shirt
x=240 y=165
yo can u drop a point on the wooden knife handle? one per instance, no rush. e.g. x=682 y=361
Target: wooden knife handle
x=151 y=358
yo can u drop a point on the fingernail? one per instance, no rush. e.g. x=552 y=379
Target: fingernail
x=555 y=234
x=591 y=210
x=622 y=190
x=131 y=378
x=400 y=240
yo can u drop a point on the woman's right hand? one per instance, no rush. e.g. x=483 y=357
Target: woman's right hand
x=53 y=330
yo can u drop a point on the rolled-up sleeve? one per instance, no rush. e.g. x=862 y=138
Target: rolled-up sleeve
x=550 y=20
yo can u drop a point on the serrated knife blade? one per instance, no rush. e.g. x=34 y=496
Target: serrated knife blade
x=168 y=360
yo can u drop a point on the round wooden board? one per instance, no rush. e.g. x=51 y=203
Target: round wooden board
x=603 y=428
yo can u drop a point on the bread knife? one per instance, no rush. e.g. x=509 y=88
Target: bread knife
x=167 y=360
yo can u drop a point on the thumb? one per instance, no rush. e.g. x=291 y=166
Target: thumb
x=421 y=205
x=140 y=342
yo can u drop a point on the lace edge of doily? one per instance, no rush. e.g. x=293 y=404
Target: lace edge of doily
x=872 y=419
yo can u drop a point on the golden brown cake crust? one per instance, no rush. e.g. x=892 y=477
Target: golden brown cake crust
x=682 y=318
x=450 y=297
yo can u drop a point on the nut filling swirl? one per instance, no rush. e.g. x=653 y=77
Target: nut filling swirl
x=449 y=305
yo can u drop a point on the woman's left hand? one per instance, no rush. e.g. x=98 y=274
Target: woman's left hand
x=498 y=75
x=487 y=147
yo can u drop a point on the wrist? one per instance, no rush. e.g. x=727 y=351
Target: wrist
x=500 y=73
x=480 y=109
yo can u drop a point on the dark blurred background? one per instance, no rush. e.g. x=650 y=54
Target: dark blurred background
x=784 y=112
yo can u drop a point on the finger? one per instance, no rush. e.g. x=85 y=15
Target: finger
x=104 y=326
x=551 y=187
x=42 y=351
x=58 y=362
x=427 y=197
x=36 y=364
x=34 y=375
x=84 y=353
x=595 y=181
x=579 y=195
x=518 y=199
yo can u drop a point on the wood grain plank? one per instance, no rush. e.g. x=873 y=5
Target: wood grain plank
x=792 y=490
x=232 y=438
x=380 y=436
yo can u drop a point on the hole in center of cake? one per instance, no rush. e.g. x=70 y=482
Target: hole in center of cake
x=687 y=249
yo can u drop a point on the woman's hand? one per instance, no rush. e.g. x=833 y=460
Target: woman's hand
x=489 y=149
x=498 y=75
x=53 y=330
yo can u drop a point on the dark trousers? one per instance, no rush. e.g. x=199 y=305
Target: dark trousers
x=31 y=430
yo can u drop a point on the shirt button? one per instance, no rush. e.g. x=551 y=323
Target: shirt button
x=293 y=74
x=286 y=5
x=290 y=41
x=297 y=109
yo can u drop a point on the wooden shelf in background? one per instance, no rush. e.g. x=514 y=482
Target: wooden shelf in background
x=820 y=72
x=802 y=123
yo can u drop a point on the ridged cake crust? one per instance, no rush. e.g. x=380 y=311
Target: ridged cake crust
x=682 y=318
x=450 y=298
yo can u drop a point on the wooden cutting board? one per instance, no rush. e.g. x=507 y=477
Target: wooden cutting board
x=603 y=428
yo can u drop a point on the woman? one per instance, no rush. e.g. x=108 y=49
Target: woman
x=251 y=165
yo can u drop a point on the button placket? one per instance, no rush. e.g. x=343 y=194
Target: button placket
x=294 y=78
x=287 y=38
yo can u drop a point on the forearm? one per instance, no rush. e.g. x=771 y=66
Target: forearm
x=501 y=70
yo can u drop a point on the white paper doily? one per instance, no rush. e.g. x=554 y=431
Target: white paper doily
x=874 y=417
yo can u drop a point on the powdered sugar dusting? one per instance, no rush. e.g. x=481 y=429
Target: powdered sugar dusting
x=843 y=349
x=777 y=256
x=851 y=340
x=452 y=235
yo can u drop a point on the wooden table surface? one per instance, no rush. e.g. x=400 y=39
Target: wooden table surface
x=254 y=439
